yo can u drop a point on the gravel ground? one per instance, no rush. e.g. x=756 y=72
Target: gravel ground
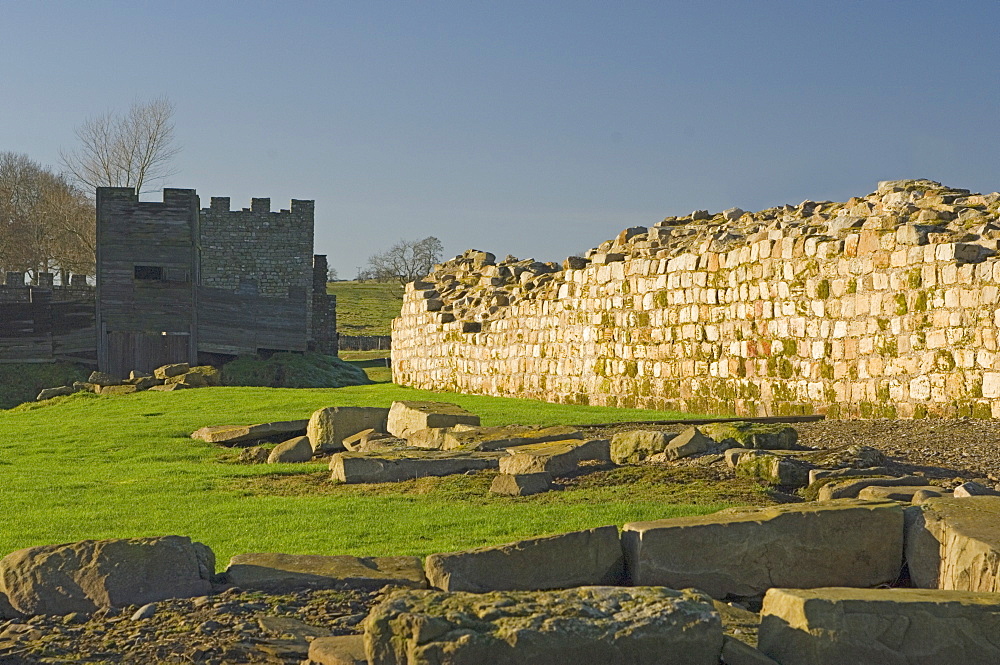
x=240 y=627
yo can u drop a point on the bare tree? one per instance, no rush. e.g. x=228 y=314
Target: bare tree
x=45 y=223
x=405 y=261
x=130 y=150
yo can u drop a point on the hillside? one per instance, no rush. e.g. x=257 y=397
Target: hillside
x=366 y=308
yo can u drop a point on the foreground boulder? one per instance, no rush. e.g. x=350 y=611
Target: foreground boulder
x=745 y=552
x=285 y=573
x=756 y=436
x=591 y=557
x=328 y=427
x=883 y=626
x=231 y=435
x=636 y=445
x=86 y=575
x=292 y=451
x=409 y=416
x=955 y=543
x=638 y=626
x=396 y=466
x=555 y=457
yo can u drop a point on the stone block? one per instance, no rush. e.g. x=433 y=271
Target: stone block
x=103 y=379
x=689 y=442
x=735 y=652
x=850 y=488
x=636 y=445
x=432 y=438
x=396 y=466
x=906 y=494
x=524 y=484
x=286 y=573
x=884 y=626
x=327 y=428
x=60 y=391
x=955 y=543
x=236 y=434
x=555 y=457
x=644 y=626
x=86 y=575
x=291 y=451
x=506 y=436
x=820 y=474
x=774 y=470
x=744 y=552
x=118 y=390
x=338 y=650
x=566 y=560
x=167 y=371
x=757 y=436
x=408 y=416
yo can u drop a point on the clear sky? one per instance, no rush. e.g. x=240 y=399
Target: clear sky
x=536 y=128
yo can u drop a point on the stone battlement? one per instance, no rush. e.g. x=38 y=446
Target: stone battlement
x=887 y=305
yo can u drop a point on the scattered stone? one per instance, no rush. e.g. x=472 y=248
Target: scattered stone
x=211 y=375
x=396 y=466
x=524 y=484
x=283 y=573
x=972 y=488
x=339 y=650
x=280 y=626
x=82 y=576
x=634 y=446
x=689 y=442
x=168 y=388
x=408 y=416
x=60 y=391
x=555 y=457
x=732 y=455
x=585 y=625
x=431 y=438
x=466 y=437
x=167 y=371
x=566 y=560
x=755 y=436
x=254 y=455
x=849 y=489
x=955 y=543
x=118 y=390
x=327 y=428
x=744 y=552
x=839 y=625
x=291 y=451
x=236 y=434
x=103 y=379
x=820 y=474
x=357 y=441
x=906 y=494
x=144 y=612
x=854 y=456
x=735 y=652
x=774 y=470
x=189 y=380
x=146 y=382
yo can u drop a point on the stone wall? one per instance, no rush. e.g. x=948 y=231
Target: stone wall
x=887 y=305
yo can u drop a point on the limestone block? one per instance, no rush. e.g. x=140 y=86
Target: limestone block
x=849 y=489
x=758 y=436
x=291 y=451
x=285 y=573
x=118 y=390
x=60 y=391
x=524 y=484
x=972 y=488
x=507 y=436
x=408 y=416
x=555 y=457
x=884 y=626
x=820 y=474
x=955 y=543
x=327 y=428
x=636 y=445
x=775 y=470
x=236 y=434
x=396 y=466
x=188 y=379
x=338 y=650
x=744 y=552
x=167 y=371
x=429 y=437
x=168 y=387
x=566 y=560
x=642 y=626
x=86 y=575
x=689 y=442
x=876 y=493
x=103 y=379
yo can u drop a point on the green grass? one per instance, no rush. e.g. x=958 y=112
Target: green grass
x=86 y=466
x=21 y=382
x=293 y=370
x=366 y=308
x=374 y=364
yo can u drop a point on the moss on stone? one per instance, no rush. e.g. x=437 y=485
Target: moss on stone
x=823 y=289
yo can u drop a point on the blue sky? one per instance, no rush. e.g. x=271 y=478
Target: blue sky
x=532 y=128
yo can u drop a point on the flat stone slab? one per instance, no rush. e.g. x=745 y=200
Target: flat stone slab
x=410 y=416
x=755 y=436
x=555 y=457
x=509 y=436
x=955 y=543
x=745 y=552
x=850 y=488
x=339 y=650
x=876 y=493
x=235 y=434
x=579 y=558
x=524 y=484
x=396 y=466
x=284 y=573
x=884 y=626
x=599 y=625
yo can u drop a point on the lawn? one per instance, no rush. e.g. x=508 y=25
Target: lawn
x=366 y=308
x=99 y=467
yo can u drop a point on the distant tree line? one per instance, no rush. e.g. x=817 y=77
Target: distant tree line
x=404 y=262
x=47 y=218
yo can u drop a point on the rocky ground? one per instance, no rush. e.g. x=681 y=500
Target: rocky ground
x=234 y=626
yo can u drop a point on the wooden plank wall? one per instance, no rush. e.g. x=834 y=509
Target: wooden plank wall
x=45 y=330
x=238 y=323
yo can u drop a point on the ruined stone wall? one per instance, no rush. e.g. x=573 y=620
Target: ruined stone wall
x=884 y=306
x=255 y=248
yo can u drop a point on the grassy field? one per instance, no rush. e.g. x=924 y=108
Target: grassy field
x=366 y=308
x=97 y=467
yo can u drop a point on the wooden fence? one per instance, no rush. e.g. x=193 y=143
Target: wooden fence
x=365 y=342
